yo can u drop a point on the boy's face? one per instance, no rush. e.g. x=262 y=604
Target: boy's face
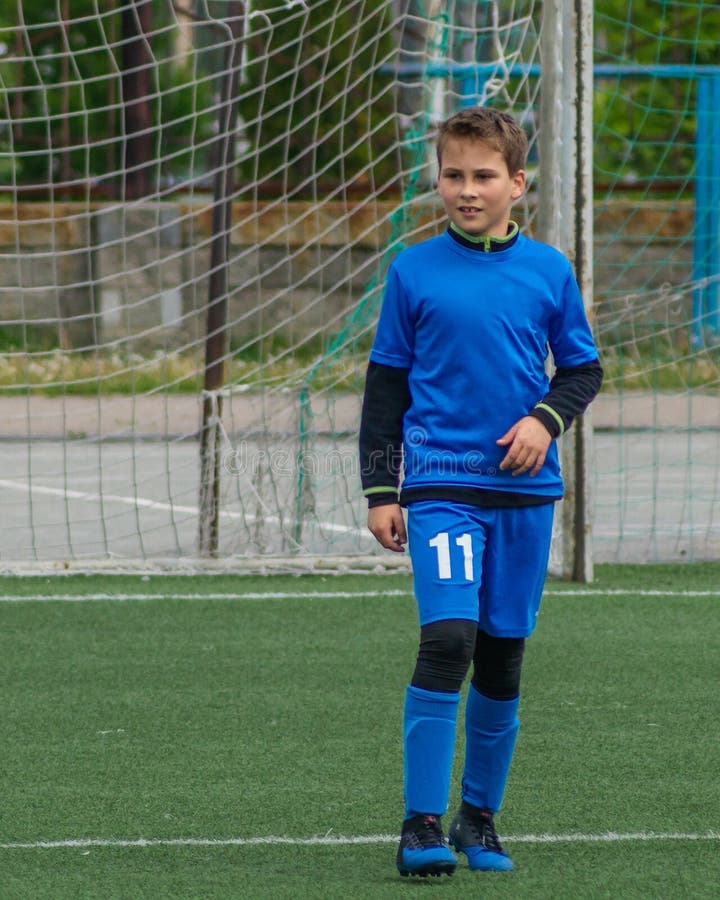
x=476 y=187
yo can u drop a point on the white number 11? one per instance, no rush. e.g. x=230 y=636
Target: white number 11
x=441 y=542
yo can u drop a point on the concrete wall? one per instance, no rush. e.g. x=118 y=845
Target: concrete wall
x=136 y=276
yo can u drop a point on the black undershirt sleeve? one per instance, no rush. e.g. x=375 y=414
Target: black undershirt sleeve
x=385 y=402
x=571 y=390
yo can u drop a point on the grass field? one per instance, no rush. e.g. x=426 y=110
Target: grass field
x=217 y=737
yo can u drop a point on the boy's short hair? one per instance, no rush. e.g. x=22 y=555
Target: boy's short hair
x=497 y=129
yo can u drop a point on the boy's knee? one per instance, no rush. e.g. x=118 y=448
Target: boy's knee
x=497 y=666
x=446 y=650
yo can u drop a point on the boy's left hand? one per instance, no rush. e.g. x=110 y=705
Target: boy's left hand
x=528 y=441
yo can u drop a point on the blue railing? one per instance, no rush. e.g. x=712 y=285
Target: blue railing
x=705 y=326
x=706 y=254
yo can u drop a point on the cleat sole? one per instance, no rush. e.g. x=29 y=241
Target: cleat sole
x=436 y=871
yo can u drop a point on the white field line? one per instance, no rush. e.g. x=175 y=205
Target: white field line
x=144 y=503
x=626 y=592
x=318 y=595
x=330 y=840
x=251 y=595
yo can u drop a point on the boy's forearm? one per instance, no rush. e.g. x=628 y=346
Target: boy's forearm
x=385 y=402
x=571 y=391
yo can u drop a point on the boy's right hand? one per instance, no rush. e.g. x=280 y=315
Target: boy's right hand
x=388 y=526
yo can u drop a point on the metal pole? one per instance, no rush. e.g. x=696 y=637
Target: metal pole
x=713 y=289
x=701 y=237
x=549 y=213
x=565 y=210
x=216 y=321
x=552 y=217
x=584 y=231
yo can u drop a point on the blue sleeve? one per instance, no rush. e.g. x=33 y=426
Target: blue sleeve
x=395 y=336
x=570 y=337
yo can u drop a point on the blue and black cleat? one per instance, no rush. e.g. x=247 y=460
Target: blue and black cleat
x=423 y=850
x=472 y=832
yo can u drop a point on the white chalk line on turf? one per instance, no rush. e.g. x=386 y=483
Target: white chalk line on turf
x=330 y=840
x=250 y=595
x=318 y=595
x=162 y=506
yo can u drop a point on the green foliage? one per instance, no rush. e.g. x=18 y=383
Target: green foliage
x=645 y=125
x=63 y=92
x=320 y=116
x=318 y=113
x=57 y=372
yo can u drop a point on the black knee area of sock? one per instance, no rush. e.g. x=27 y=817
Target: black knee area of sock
x=444 y=656
x=497 y=666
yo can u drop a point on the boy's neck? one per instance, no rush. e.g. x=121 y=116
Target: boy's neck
x=487 y=242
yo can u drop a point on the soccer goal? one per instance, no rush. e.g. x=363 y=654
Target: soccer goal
x=199 y=203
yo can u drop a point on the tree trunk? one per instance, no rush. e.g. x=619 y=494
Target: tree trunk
x=136 y=88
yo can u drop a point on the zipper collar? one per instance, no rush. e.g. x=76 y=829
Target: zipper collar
x=485 y=243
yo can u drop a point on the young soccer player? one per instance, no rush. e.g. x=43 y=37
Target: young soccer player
x=456 y=389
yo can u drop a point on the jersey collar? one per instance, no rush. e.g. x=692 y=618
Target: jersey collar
x=486 y=243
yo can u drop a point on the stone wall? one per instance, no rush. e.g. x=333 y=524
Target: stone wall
x=136 y=276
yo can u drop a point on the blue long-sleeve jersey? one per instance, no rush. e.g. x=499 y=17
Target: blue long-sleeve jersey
x=472 y=331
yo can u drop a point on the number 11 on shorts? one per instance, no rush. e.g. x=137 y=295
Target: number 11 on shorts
x=441 y=543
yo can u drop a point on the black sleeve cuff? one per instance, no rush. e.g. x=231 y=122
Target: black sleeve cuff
x=548 y=421
x=571 y=390
x=382 y=499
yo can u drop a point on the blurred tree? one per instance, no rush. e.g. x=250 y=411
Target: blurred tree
x=136 y=61
x=98 y=102
x=317 y=113
x=645 y=126
x=101 y=99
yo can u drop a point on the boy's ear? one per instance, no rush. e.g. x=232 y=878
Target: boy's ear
x=518 y=180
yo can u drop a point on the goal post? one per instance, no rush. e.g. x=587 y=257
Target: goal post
x=565 y=220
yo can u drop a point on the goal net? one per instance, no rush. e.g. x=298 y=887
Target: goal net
x=199 y=203
x=657 y=281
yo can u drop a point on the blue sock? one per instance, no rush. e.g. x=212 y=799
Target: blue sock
x=429 y=735
x=491 y=728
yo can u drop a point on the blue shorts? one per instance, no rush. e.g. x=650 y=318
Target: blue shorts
x=484 y=564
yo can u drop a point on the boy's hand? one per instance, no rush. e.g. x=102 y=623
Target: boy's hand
x=528 y=441
x=388 y=526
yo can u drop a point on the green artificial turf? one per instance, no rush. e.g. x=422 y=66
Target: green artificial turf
x=236 y=719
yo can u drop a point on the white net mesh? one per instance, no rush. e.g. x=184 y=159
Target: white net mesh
x=199 y=201
x=214 y=185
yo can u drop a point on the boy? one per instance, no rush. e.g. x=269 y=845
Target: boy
x=456 y=388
